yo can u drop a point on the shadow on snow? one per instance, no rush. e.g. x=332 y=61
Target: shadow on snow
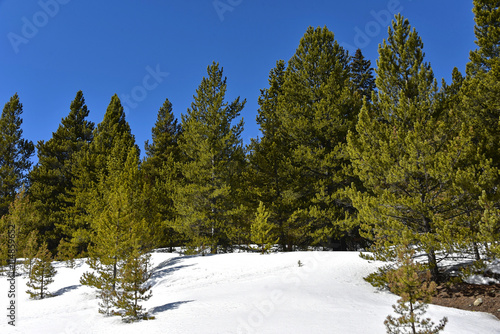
x=168 y=307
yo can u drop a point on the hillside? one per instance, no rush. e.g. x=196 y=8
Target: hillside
x=237 y=293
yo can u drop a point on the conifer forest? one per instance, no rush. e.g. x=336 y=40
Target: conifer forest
x=353 y=156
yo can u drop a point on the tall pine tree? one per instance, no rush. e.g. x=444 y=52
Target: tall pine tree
x=90 y=167
x=270 y=176
x=160 y=170
x=480 y=98
x=362 y=75
x=117 y=224
x=52 y=177
x=213 y=155
x=317 y=109
x=409 y=153
x=15 y=153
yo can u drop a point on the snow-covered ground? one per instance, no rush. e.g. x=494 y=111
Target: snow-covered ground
x=235 y=293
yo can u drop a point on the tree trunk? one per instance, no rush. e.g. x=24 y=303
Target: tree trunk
x=477 y=256
x=433 y=267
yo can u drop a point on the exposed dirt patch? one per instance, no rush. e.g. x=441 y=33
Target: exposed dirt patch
x=463 y=296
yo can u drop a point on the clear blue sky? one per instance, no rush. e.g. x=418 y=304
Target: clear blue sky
x=156 y=49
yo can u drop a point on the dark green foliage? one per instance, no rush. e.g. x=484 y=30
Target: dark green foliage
x=362 y=75
x=160 y=170
x=52 y=177
x=487 y=31
x=91 y=168
x=270 y=175
x=480 y=100
x=412 y=156
x=15 y=153
x=317 y=109
x=41 y=275
x=165 y=135
x=212 y=161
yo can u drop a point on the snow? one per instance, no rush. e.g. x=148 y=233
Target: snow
x=235 y=293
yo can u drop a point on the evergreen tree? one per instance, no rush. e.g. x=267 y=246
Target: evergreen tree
x=15 y=153
x=41 y=275
x=17 y=226
x=30 y=252
x=480 y=102
x=270 y=176
x=52 y=177
x=318 y=108
x=213 y=157
x=487 y=31
x=490 y=225
x=262 y=230
x=117 y=224
x=362 y=75
x=165 y=135
x=415 y=295
x=161 y=173
x=91 y=168
x=134 y=274
x=482 y=87
x=410 y=153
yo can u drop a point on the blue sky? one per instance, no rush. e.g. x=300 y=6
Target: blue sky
x=146 y=51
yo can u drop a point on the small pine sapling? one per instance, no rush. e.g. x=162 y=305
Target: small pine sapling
x=30 y=252
x=133 y=277
x=262 y=231
x=103 y=279
x=42 y=274
x=415 y=295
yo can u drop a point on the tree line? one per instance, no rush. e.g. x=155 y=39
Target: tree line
x=349 y=157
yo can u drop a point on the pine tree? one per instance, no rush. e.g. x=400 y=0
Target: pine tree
x=410 y=154
x=30 y=252
x=17 y=226
x=114 y=222
x=487 y=31
x=133 y=277
x=52 y=178
x=263 y=231
x=165 y=135
x=213 y=157
x=91 y=168
x=15 y=153
x=270 y=176
x=479 y=100
x=318 y=108
x=161 y=173
x=362 y=75
x=489 y=228
x=415 y=295
x=41 y=275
